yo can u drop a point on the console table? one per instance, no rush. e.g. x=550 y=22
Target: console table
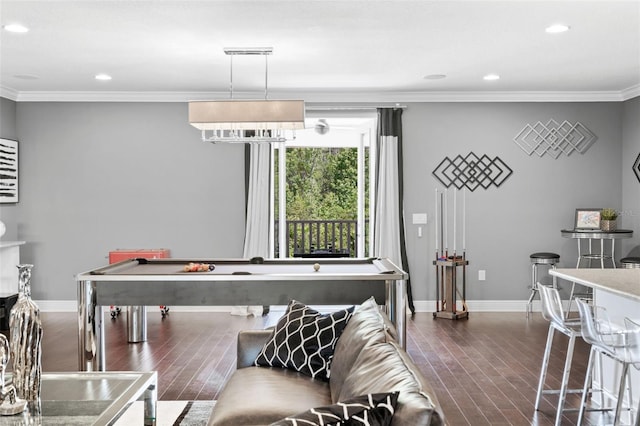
x=596 y=234
x=9 y=259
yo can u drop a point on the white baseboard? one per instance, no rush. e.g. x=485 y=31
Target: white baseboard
x=420 y=305
x=481 y=305
x=71 y=306
x=57 y=305
x=491 y=305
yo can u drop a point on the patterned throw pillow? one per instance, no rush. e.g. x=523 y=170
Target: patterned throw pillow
x=366 y=410
x=304 y=340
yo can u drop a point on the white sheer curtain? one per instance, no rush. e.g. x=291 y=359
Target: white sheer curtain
x=386 y=236
x=389 y=233
x=256 y=237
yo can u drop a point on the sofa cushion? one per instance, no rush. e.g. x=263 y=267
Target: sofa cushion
x=385 y=367
x=304 y=340
x=260 y=396
x=365 y=410
x=366 y=326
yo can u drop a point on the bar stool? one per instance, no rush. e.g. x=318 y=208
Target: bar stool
x=552 y=312
x=615 y=344
x=633 y=351
x=586 y=295
x=539 y=259
x=630 y=262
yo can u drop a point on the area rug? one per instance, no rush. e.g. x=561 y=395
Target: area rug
x=170 y=413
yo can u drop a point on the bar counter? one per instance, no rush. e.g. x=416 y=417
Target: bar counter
x=621 y=282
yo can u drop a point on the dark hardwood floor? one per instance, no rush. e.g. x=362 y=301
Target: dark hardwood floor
x=484 y=370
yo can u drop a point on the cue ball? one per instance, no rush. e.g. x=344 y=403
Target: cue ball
x=316 y=267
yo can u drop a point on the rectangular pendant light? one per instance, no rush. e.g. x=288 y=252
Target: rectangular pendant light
x=247 y=115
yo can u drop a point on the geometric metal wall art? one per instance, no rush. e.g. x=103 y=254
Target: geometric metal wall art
x=554 y=139
x=8 y=171
x=636 y=167
x=472 y=171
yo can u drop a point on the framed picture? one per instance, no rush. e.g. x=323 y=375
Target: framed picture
x=587 y=219
x=8 y=171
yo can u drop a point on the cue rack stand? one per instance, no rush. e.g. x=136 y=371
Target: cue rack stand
x=451 y=268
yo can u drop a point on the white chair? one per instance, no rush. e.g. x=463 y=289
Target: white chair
x=587 y=295
x=633 y=351
x=618 y=345
x=553 y=312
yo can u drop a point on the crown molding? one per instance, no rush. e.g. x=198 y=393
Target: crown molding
x=8 y=93
x=631 y=92
x=328 y=96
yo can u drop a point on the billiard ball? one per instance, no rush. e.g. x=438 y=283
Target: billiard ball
x=198 y=267
x=316 y=267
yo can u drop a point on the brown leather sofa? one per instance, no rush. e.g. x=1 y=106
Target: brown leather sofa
x=367 y=359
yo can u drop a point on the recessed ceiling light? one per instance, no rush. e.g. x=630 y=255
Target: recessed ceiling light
x=557 y=28
x=491 y=77
x=435 y=76
x=103 y=77
x=26 y=77
x=16 y=28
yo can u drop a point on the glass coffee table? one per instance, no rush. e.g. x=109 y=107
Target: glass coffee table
x=89 y=398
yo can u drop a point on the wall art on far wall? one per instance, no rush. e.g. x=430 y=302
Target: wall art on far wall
x=636 y=168
x=8 y=171
x=472 y=171
x=554 y=139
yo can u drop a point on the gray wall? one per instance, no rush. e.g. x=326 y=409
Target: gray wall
x=7 y=119
x=8 y=131
x=101 y=176
x=630 y=183
x=524 y=215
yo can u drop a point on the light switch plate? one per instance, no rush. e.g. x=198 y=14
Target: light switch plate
x=419 y=218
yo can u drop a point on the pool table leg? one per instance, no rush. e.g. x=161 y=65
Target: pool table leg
x=396 y=307
x=91 y=355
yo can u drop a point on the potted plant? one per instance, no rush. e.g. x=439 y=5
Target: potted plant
x=608 y=219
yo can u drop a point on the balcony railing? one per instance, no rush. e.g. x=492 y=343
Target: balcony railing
x=320 y=238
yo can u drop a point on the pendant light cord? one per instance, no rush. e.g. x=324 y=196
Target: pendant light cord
x=231 y=76
x=266 y=76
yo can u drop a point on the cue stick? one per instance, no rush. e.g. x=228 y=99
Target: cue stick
x=435 y=232
x=464 y=219
x=440 y=268
x=437 y=284
x=446 y=223
x=455 y=218
x=464 y=280
x=464 y=248
x=441 y=224
x=435 y=207
x=443 y=249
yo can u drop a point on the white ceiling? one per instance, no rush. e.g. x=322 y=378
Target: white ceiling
x=345 y=50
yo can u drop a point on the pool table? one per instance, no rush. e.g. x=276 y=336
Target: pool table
x=254 y=281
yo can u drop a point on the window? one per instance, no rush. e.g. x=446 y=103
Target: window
x=323 y=209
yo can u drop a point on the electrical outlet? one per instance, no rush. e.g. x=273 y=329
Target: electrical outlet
x=482 y=275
